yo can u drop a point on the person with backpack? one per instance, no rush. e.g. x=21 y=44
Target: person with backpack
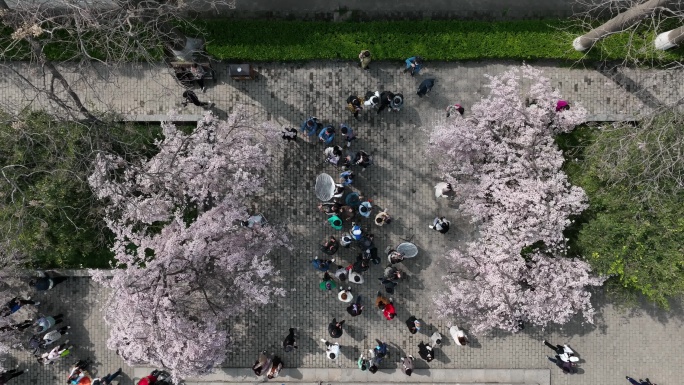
x=290 y=343
x=46 y=322
x=414 y=64
x=45 y=281
x=311 y=126
x=191 y=97
x=327 y=135
x=354 y=105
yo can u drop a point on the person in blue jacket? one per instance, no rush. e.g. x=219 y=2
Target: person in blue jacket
x=327 y=135
x=414 y=64
x=310 y=126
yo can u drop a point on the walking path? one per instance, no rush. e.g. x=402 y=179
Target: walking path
x=643 y=342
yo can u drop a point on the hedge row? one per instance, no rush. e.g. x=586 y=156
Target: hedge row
x=273 y=40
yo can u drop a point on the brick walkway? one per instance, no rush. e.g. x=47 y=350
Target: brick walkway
x=638 y=343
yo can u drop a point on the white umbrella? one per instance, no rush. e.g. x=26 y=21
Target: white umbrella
x=325 y=187
x=408 y=249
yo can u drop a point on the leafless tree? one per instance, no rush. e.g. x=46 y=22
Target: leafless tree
x=82 y=37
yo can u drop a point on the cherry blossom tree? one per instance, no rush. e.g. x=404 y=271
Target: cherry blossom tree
x=506 y=170
x=184 y=264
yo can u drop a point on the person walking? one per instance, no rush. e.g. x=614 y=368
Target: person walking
x=341 y=273
x=354 y=105
x=381 y=301
x=191 y=97
x=335 y=222
x=55 y=354
x=53 y=336
x=363 y=362
x=444 y=190
x=383 y=218
x=566 y=367
x=335 y=328
x=20 y=326
x=385 y=100
x=14 y=305
x=425 y=87
x=563 y=352
x=7 y=375
x=452 y=109
x=414 y=64
x=413 y=325
x=372 y=99
x=380 y=351
x=322 y=264
x=46 y=322
x=356 y=308
x=365 y=59
x=332 y=351
x=440 y=224
x=311 y=126
x=426 y=352
x=276 y=367
x=45 y=281
x=348 y=133
x=407 y=365
x=107 y=380
x=262 y=364
x=363 y=159
x=640 y=382
x=290 y=343
x=198 y=75
x=389 y=312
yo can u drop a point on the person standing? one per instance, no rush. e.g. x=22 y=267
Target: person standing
x=365 y=59
x=354 y=105
x=262 y=364
x=276 y=367
x=327 y=135
x=435 y=340
x=310 y=126
x=14 y=305
x=335 y=222
x=348 y=133
x=397 y=102
x=356 y=308
x=330 y=246
x=290 y=135
x=6 y=376
x=426 y=352
x=452 y=109
x=332 y=351
x=362 y=362
x=198 y=75
x=290 y=343
x=440 y=224
x=389 y=312
x=425 y=87
x=347 y=178
x=385 y=100
x=407 y=365
x=46 y=282
x=414 y=64
x=345 y=295
x=335 y=328
x=191 y=97
x=51 y=337
x=327 y=283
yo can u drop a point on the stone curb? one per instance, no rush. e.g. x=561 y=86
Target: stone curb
x=384 y=376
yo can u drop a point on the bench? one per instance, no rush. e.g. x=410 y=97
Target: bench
x=161 y=118
x=184 y=74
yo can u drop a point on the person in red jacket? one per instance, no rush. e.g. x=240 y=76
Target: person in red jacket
x=389 y=311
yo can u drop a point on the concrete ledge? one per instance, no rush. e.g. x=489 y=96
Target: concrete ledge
x=383 y=376
x=612 y=118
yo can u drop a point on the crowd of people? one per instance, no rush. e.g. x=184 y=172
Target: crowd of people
x=46 y=334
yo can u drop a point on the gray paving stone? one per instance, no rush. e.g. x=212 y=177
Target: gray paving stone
x=645 y=342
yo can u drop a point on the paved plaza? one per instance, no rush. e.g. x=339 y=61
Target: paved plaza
x=646 y=342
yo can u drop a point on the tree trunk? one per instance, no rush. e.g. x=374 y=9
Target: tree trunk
x=617 y=24
x=669 y=39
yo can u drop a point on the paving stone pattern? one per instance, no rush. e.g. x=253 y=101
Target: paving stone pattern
x=639 y=343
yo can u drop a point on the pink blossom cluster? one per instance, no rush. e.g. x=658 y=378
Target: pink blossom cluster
x=184 y=264
x=506 y=170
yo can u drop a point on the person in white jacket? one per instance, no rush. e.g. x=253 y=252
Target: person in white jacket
x=332 y=351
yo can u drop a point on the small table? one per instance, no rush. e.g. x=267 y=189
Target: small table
x=241 y=71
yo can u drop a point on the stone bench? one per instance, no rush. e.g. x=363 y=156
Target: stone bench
x=160 y=118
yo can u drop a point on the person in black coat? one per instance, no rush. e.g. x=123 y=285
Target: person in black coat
x=385 y=100
x=335 y=328
x=426 y=352
x=425 y=87
x=46 y=282
x=289 y=342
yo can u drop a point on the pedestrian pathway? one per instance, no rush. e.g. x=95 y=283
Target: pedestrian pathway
x=646 y=342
